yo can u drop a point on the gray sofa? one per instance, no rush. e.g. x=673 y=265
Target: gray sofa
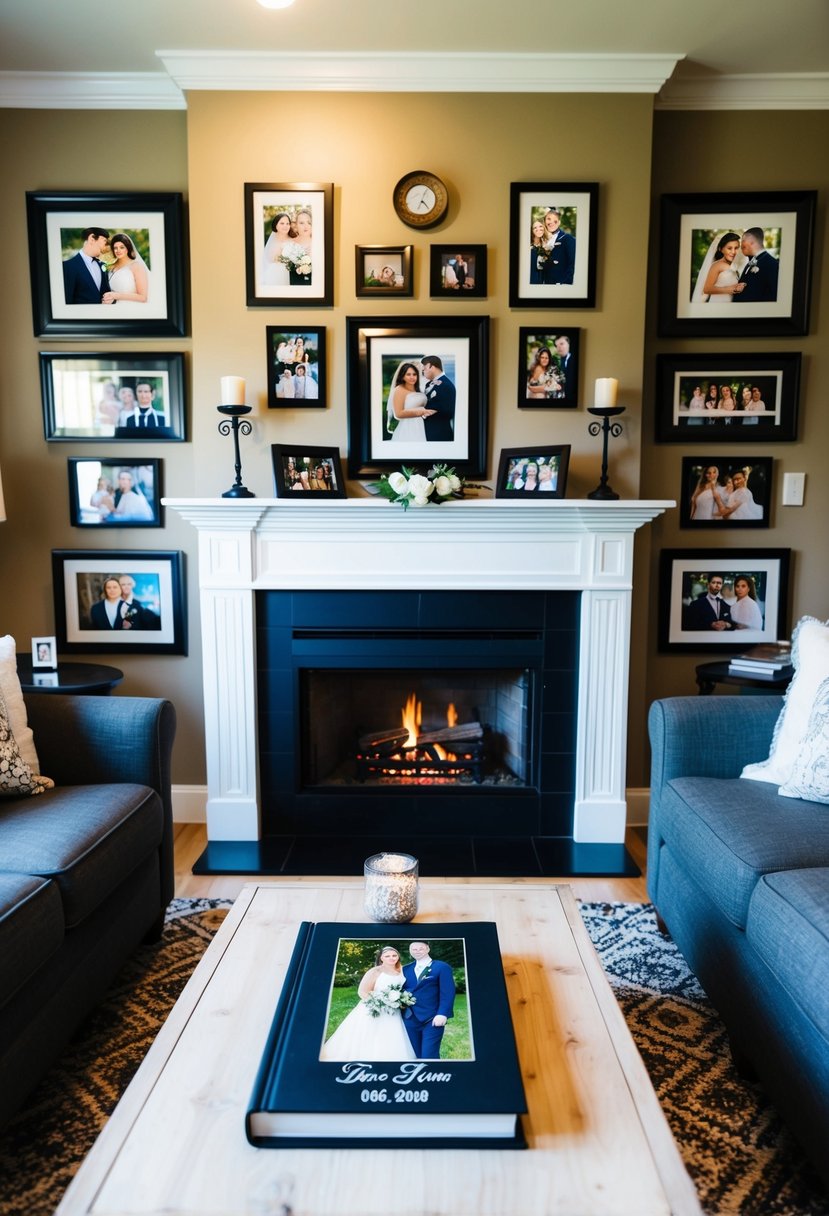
x=86 y=871
x=740 y=877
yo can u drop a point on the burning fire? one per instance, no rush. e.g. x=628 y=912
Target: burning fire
x=412 y=717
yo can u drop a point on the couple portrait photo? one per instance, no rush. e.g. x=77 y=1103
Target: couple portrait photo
x=398 y=1004
x=736 y=267
x=104 y=267
x=119 y=601
x=420 y=402
x=723 y=602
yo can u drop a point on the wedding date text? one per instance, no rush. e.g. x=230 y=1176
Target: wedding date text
x=398 y=1095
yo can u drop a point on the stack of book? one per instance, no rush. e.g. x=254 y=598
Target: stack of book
x=772 y=661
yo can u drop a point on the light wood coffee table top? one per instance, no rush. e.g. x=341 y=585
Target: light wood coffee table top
x=599 y=1143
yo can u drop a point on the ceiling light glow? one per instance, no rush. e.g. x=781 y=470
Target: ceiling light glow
x=275 y=3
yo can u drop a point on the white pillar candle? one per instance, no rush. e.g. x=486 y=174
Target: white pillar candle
x=233 y=390
x=605 y=394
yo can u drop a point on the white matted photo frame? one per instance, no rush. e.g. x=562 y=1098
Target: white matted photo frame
x=44 y=654
x=736 y=265
x=297 y=366
x=721 y=491
x=457 y=272
x=548 y=367
x=289 y=250
x=383 y=270
x=306 y=470
x=110 y=397
x=106 y=264
x=108 y=601
x=727 y=398
x=112 y=493
x=553 y=242
x=418 y=391
x=747 y=604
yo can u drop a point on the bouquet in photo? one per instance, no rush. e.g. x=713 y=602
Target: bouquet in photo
x=412 y=489
x=390 y=1000
x=296 y=258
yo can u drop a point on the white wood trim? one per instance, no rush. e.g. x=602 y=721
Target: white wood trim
x=786 y=91
x=189 y=803
x=89 y=91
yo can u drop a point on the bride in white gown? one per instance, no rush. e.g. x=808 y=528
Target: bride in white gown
x=274 y=272
x=718 y=280
x=407 y=404
x=129 y=279
x=360 y=1036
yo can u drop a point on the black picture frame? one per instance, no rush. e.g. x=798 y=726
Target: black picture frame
x=683 y=578
x=711 y=502
x=679 y=420
x=376 y=347
x=383 y=270
x=562 y=275
x=556 y=385
x=295 y=468
x=154 y=223
x=157 y=626
x=289 y=349
x=81 y=393
x=693 y=224
x=512 y=480
x=457 y=272
x=129 y=498
x=264 y=203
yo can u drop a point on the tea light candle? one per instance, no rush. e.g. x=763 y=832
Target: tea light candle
x=391 y=887
x=605 y=394
x=233 y=390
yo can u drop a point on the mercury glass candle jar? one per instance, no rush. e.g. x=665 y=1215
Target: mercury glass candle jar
x=391 y=887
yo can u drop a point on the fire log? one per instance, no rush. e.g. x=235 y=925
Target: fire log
x=452 y=734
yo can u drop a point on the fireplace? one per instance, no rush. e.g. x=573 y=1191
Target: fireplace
x=365 y=547
x=491 y=676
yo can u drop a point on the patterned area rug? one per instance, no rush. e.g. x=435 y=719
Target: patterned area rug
x=738 y=1153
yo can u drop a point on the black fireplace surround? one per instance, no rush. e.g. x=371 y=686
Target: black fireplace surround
x=332 y=666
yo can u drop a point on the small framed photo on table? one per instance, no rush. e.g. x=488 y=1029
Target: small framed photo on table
x=303 y=471
x=541 y=472
x=44 y=654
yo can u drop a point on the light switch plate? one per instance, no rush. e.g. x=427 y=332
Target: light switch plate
x=794 y=485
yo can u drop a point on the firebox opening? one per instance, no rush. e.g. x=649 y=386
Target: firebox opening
x=404 y=727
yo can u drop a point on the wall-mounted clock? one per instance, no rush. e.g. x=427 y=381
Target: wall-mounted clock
x=420 y=199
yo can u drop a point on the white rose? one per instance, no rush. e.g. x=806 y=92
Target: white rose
x=455 y=482
x=420 y=486
x=398 y=483
x=443 y=486
x=419 y=502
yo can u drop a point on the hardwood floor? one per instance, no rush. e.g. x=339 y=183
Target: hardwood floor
x=191 y=838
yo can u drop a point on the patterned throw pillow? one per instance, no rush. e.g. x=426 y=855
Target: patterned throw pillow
x=810 y=772
x=16 y=777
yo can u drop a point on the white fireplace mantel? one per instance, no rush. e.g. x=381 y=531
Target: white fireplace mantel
x=256 y=544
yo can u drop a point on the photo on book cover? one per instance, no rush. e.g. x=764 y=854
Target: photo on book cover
x=398 y=1002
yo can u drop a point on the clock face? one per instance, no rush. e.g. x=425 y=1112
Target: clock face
x=420 y=199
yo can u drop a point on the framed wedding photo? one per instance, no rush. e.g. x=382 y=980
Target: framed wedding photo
x=721 y=491
x=457 y=272
x=289 y=244
x=113 y=493
x=727 y=398
x=303 y=470
x=106 y=397
x=553 y=242
x=119 y=600
x=736 y=265
x=541 y=472
x=722 y=599
x=44 y=654
x=548 y=368
x=106 y=265
x=418 y=391
x=297 y=366
x=383 y=270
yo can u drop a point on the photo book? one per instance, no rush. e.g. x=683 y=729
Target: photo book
x=385 y=1039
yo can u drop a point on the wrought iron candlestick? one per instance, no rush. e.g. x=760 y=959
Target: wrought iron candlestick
x=605 y=428
x=236 y=422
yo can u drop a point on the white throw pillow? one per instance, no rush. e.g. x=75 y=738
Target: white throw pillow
x=810 y=772
x=15 y=705
x=810 y=659
x=16 y=777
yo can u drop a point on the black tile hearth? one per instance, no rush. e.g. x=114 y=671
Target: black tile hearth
x=458 y=856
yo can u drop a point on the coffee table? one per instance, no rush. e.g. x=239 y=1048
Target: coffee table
x=599 y=1142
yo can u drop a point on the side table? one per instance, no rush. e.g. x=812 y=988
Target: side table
x=709 y=674
x=78 y=678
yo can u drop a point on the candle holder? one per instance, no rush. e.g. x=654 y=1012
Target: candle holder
x=236 y=422
x=605 y=428
x=391 y=887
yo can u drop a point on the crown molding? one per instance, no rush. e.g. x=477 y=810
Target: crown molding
x=437 y=72
x=89 y=91
x=785 y=91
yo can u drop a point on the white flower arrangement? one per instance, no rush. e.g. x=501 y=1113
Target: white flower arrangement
x=296 y=257
x=390 y=1000
x=412 y=489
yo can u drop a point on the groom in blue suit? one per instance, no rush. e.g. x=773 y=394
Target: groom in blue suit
x=84 y=276
x=432 y=983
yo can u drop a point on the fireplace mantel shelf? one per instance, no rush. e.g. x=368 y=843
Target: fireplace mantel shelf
x=248 y=546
